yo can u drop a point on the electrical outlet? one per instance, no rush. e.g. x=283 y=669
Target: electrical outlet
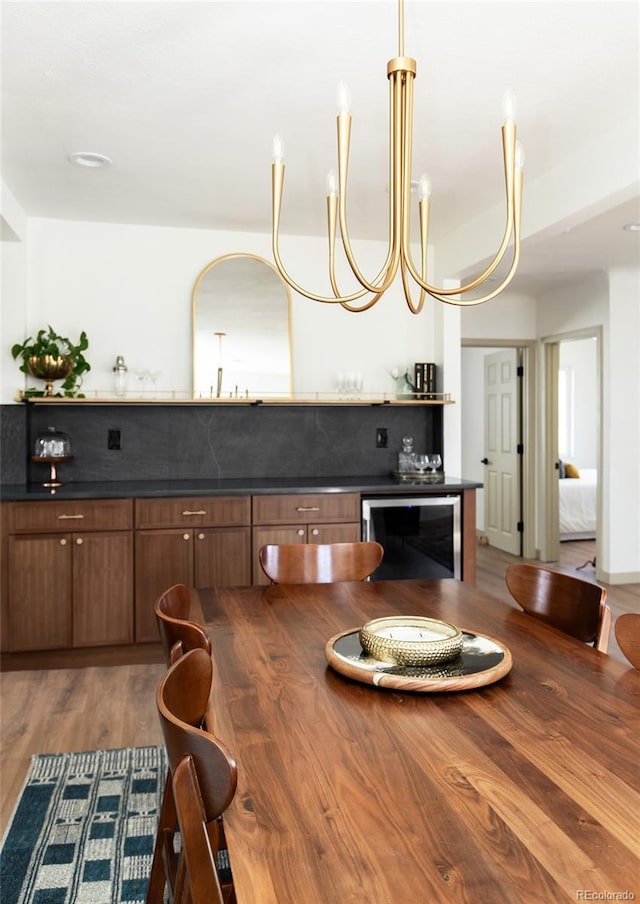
x=114 y=440
x=382 y=439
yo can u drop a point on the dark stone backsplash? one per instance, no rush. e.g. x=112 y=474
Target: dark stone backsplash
x=182 y=442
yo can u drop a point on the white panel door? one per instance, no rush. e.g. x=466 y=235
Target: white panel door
x=502 y=483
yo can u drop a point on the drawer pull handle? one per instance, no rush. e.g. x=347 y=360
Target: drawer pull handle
x=69 y=517
x=315 y=532
x=301 y=532
x=79 y=541
x=200 y=536
x=201 y=512
x=186 y=536
x=63 y=542
x=308 y=508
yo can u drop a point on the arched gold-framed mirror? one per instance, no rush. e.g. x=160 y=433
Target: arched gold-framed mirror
x=241 y=316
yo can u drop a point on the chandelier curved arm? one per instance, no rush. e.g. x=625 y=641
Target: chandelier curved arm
x=468 y=302
x=332 y=207
x=424 y=231
x=277 y=180
x=390 y=267
x=364 y=307
x=406 y=285
x=513 y=183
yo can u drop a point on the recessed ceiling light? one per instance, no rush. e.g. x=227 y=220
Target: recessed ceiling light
x=632 y=227
x=88 y=158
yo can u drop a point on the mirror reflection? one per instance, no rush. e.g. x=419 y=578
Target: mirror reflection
x=241 y=330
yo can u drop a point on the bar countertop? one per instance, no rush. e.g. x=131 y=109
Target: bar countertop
x=254 y=486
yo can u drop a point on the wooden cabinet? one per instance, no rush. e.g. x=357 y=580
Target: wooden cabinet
x=68 y=588
x=86 y=573
x=310 y=518
x=194 y=541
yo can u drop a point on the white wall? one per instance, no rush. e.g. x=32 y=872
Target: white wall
x=13 y=314
x=509 y=316
x=621 y=429
x=129 y=287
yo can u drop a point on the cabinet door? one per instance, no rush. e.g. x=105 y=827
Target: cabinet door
x=222 y=557
x=102 y=588
x=40 y=585
x=333 y=533
x=292 y=533
x=163 y=558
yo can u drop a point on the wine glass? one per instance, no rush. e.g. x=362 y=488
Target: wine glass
x=435 y=461
x=422 y=463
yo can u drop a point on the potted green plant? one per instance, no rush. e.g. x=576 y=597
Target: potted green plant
x=50 y=357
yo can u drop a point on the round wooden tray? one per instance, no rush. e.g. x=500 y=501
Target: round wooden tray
x=483 y=660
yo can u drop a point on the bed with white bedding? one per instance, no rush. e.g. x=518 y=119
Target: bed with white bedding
x=578 y=505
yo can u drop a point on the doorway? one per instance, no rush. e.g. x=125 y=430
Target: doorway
x=491 y=508
x=503 y=447
x=573 y=414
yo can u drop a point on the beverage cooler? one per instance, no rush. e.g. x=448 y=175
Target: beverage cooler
x=420 y=535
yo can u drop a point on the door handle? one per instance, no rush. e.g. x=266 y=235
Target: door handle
x=485 y=461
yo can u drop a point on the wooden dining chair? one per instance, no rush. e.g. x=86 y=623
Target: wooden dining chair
x=178 y=636
x=199 y=874
x=181 y=700
x=178 y=633
x=627 y=630
x=319 y=563
x=577 y=607
x=193 y=710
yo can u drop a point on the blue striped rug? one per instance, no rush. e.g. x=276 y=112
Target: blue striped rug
x=84 y=828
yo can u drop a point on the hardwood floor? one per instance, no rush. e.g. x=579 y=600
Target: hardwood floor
x=59 y=710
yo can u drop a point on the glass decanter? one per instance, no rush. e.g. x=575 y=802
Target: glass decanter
x=407 y=457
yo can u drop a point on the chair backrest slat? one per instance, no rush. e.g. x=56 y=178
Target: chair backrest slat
x=627 y=630
x=570 y=604
x=178 y=634
x=320 y=563
x=189 y=678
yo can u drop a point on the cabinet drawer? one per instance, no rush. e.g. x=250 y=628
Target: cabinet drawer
x=197 y=511
x=73 y=515
x=306 y=509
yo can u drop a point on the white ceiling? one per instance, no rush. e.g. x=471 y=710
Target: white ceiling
x=186 y=96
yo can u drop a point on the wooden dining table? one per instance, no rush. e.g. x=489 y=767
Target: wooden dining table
x=525 y=789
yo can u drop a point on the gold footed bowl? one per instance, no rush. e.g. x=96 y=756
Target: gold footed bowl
x=48 y=368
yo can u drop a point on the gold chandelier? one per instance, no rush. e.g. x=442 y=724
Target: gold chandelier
x=401 y=71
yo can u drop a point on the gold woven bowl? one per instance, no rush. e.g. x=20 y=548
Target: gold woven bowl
x=411 y=640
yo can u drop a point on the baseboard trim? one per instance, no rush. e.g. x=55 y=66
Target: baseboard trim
x=82 y=657
x=619 y=577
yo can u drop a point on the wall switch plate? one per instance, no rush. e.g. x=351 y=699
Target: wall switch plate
x=382 y=439
x=114 y=439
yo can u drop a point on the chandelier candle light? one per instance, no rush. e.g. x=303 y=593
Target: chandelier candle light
x=401 y=71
